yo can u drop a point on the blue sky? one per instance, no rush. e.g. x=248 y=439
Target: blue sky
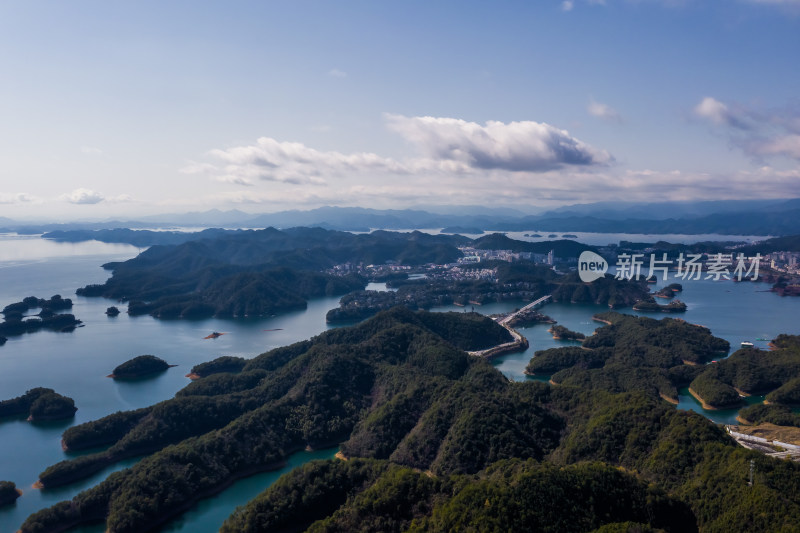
x=124 y=108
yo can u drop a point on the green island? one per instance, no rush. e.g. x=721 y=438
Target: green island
x=112 y=311
x=8 y=493
x=437 y=440
x=527 y=317
x=650 y=304
x=139 y=366
x=562 y=333
x=40 y=404
x=668 y=291
x=15 y=322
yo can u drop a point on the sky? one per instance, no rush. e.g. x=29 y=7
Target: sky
x=114 y=108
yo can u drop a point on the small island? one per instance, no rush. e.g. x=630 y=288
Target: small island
x=527 y=318
x=140 y=366
x=562 y=333
x=668 y=291
x=40 y=404
x=650 y=304
x=569 y=236
x=112 y=311
x=8 y=493
x=52 y=407
x=15 y=321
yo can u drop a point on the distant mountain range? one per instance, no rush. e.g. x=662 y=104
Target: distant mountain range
x=739 y=217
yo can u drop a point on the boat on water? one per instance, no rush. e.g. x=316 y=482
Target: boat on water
x=214 y=335
x=747 y=344
x=762 y=339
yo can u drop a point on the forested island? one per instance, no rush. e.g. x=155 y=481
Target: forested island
x=8 y=493
x=562 y=333
x=15 y=322
x=139 y=367
x=40 y=404
x=668 y=291
x=650 y=304
x=438 y=440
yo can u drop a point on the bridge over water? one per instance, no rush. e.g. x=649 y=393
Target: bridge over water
x=519 y=343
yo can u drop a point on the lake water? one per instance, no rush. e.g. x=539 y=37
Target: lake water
x=76 y=363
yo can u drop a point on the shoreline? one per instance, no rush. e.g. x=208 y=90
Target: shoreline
x=139 y=376
x=707 y=406
x=703 y=403
x=182 y=508
x=673 y=401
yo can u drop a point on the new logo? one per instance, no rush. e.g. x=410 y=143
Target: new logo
x=591 y=266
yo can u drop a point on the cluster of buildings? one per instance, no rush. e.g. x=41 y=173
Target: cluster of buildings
x=456 y=272
x=788 y=262
x=474 y=255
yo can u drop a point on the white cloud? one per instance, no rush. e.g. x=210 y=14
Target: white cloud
x=712 y=109
x=91 y=150
x=525 y=146
x=336 y=73
x=17 y=198
x=603 y=111
x=567 y=5
x=291 y=162
x=83 y=196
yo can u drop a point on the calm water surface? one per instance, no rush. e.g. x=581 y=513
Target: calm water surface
x=75 y=364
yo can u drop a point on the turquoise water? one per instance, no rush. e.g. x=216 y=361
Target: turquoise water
x=76 y=363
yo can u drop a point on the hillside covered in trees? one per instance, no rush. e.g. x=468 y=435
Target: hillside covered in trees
x=633 y=353
x=775 y=373
x=437 y=440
